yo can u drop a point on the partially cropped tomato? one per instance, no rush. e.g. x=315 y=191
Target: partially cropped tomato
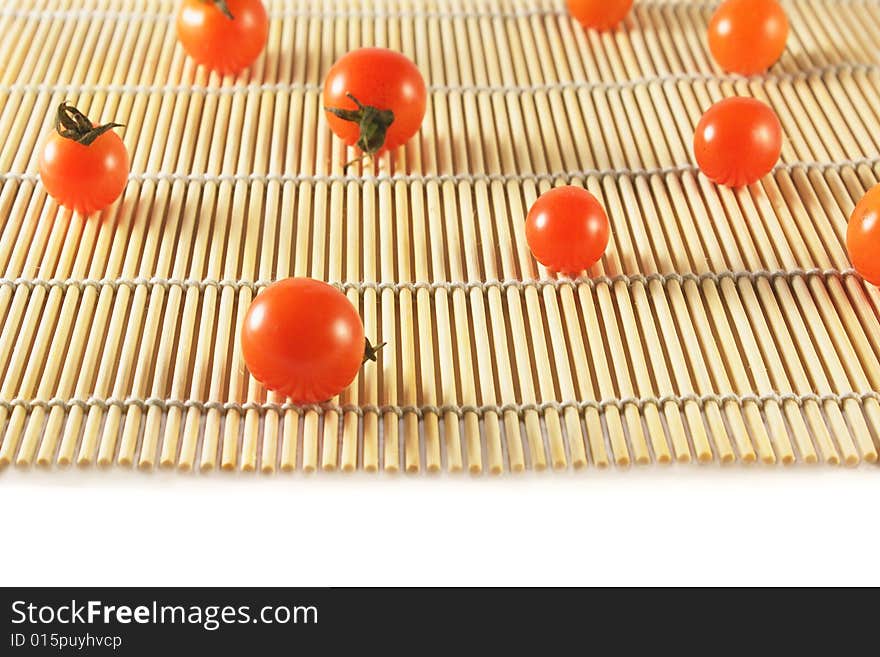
x=84 y=167
x=748 y=36
x=303 y=338
x=226 y=36
x=567 y=229
x=863 y=236
x=599 y=14
x=738 y=141
x=375 y=99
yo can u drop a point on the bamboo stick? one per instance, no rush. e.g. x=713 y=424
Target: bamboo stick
x=270 y=264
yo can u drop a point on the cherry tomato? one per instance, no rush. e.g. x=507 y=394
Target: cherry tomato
x=738 y=141
x=84 y=167
x=863 y=236
x=748 y=36
x=375 y=99
x=223 y=35
x=599 y=14
x=303 y=338
x=567 y=229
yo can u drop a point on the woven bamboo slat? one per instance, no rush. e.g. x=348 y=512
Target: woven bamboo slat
x=721 y=325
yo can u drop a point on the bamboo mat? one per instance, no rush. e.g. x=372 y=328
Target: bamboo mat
x=721 y=324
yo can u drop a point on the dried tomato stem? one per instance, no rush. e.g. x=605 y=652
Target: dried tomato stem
x=370 y=351
x=223 y=7
x=73 y=124
x=372 y=122
x=363 y=157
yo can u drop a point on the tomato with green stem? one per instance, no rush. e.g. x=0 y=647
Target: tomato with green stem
x=599 y=14
x=567 y=229
x=375 y=99
x=304 y=339
x=863 y=236
x=738 y=141
x=226 y=36
x=748 y=36
x=83 y=166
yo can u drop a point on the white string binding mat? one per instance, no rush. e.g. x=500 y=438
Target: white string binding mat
x=460 y=411
x=378 y=13
x=433 y=286
x=280 y=87
x=454 y=178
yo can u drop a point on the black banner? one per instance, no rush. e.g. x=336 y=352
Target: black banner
x=260 y=621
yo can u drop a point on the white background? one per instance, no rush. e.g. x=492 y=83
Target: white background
x=676 y=525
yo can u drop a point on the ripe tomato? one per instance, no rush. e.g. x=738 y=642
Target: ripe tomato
x=738 y=141
x=224 y=35
x=84 y=167
x=375 y=99
x=303 y=338
x=599 y=14
x=567 y=229
x=863 y=236
x=748 y=36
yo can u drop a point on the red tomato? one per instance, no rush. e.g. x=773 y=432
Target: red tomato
x=863 y=236
x=748 y=36
x=303 y=338
x=223 y=35
x=599 y=14
x=738 y=141
x=84 y=167
x=567 y=229
x=375 y=99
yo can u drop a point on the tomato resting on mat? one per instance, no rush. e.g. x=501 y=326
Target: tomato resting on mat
x=83 y=166
x=375 y=99
x=599 y=14
x=738 y=141
x=748 y=36
x=304 y=339
x=567 y=229
x=863 y=236
x=226 y=36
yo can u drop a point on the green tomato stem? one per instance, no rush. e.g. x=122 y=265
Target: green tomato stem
x=372 y=122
